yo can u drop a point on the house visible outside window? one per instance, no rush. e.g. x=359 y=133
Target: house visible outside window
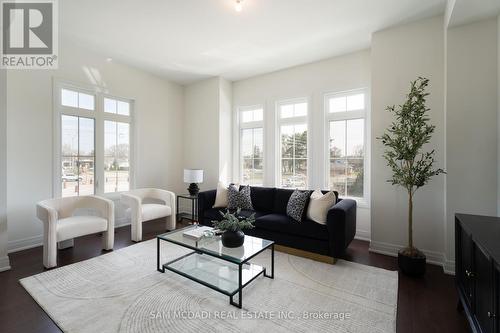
x=93 y=150
x=293 y=143
x=251 y=145
x=345 y=116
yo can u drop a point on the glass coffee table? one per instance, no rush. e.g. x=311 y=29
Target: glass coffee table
x=226 y=270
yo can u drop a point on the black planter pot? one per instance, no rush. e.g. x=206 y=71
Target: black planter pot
x=233 y=238
x=412 y=265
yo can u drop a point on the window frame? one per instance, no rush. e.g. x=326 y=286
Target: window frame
x=99 y=117
x=344 y=116
x=298 y=120
x=250 y=125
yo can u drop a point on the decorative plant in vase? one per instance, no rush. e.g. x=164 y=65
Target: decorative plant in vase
x=411 y=167
x=231 y=225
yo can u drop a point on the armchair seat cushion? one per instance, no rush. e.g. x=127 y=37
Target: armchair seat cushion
x=76 y=226
x=155 y=211
x=284 y=224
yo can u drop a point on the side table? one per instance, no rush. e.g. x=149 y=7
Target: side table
x=193 y=217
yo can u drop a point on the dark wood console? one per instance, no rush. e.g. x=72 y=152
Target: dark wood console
x=477 y=273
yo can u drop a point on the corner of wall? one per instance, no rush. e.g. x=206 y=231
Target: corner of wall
x=498 y=113
x=450 y=5
x=4 y=258
x=225 y=130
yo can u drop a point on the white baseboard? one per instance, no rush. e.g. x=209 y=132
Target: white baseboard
x=433 y=257
x=25 y=243
x=363 y=235
x=449 y=267
x=4 y=264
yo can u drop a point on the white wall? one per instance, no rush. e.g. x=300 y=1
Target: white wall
x=201 y=129
x=225 y=130
x=498 y=114
x=471 y=123
x=4 y=259
x=400 y=55
x=207 y=128
x=158 y=114
x=313 y=80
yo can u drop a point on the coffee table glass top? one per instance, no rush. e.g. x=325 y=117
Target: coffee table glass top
x=213 y=245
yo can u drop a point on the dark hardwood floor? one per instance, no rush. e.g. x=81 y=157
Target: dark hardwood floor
x=425 y=304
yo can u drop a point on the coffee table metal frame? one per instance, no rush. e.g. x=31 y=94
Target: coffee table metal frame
x=241 y=284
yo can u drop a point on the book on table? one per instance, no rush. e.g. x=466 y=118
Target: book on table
x=196 y=233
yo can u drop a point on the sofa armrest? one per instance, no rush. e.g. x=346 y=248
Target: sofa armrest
x=341 y=224
x=206 y=200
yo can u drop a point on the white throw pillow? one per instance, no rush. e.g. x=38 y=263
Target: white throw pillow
x=319 y=204
x=221 y=195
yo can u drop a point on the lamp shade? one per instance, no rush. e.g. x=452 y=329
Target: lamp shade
x=193 y=176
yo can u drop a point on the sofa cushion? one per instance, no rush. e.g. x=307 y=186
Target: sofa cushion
x=221 y=195
x=296 y=207
x=281 y=200
x=213 y=214
x=286 y=225
x=319 y=204
x=263 y=198
x=239 y=198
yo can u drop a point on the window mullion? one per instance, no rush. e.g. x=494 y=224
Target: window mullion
x=346 y=159
x=78 y=153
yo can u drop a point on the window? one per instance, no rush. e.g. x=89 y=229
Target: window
x=117 y=107
x=77 y=156
x=293 y=158
x=90 y=122
x=346 y=143
x=77 y=99
x=116 y=156
x=252 y=115
x=251 y=145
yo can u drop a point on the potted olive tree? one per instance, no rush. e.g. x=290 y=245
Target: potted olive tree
x=411 y=167
x=231 y=226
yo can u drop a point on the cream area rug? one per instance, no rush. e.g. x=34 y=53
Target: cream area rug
x=123 y=292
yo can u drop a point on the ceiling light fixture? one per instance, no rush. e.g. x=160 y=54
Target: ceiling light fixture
x=238 y=6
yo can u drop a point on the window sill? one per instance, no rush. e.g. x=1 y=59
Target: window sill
x=361 y=202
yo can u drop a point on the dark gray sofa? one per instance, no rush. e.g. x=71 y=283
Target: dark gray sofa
x=272 y=222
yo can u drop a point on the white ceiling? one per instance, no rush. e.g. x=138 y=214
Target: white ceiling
x=468 y=11
x=187 y=40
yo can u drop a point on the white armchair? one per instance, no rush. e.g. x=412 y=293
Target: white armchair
x=141 y=212
x=59 y=223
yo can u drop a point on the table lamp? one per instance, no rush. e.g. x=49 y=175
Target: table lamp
x=193 y=177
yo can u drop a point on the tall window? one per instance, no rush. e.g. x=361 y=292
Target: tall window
x=116 y=145
x=292 y=122
x=77 y=156
x=345 y=113
x=116 y=156
x=251 y=145
x=94 y=142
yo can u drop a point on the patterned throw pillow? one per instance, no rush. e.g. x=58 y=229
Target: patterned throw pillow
x=297 y=204
x=239 y=199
